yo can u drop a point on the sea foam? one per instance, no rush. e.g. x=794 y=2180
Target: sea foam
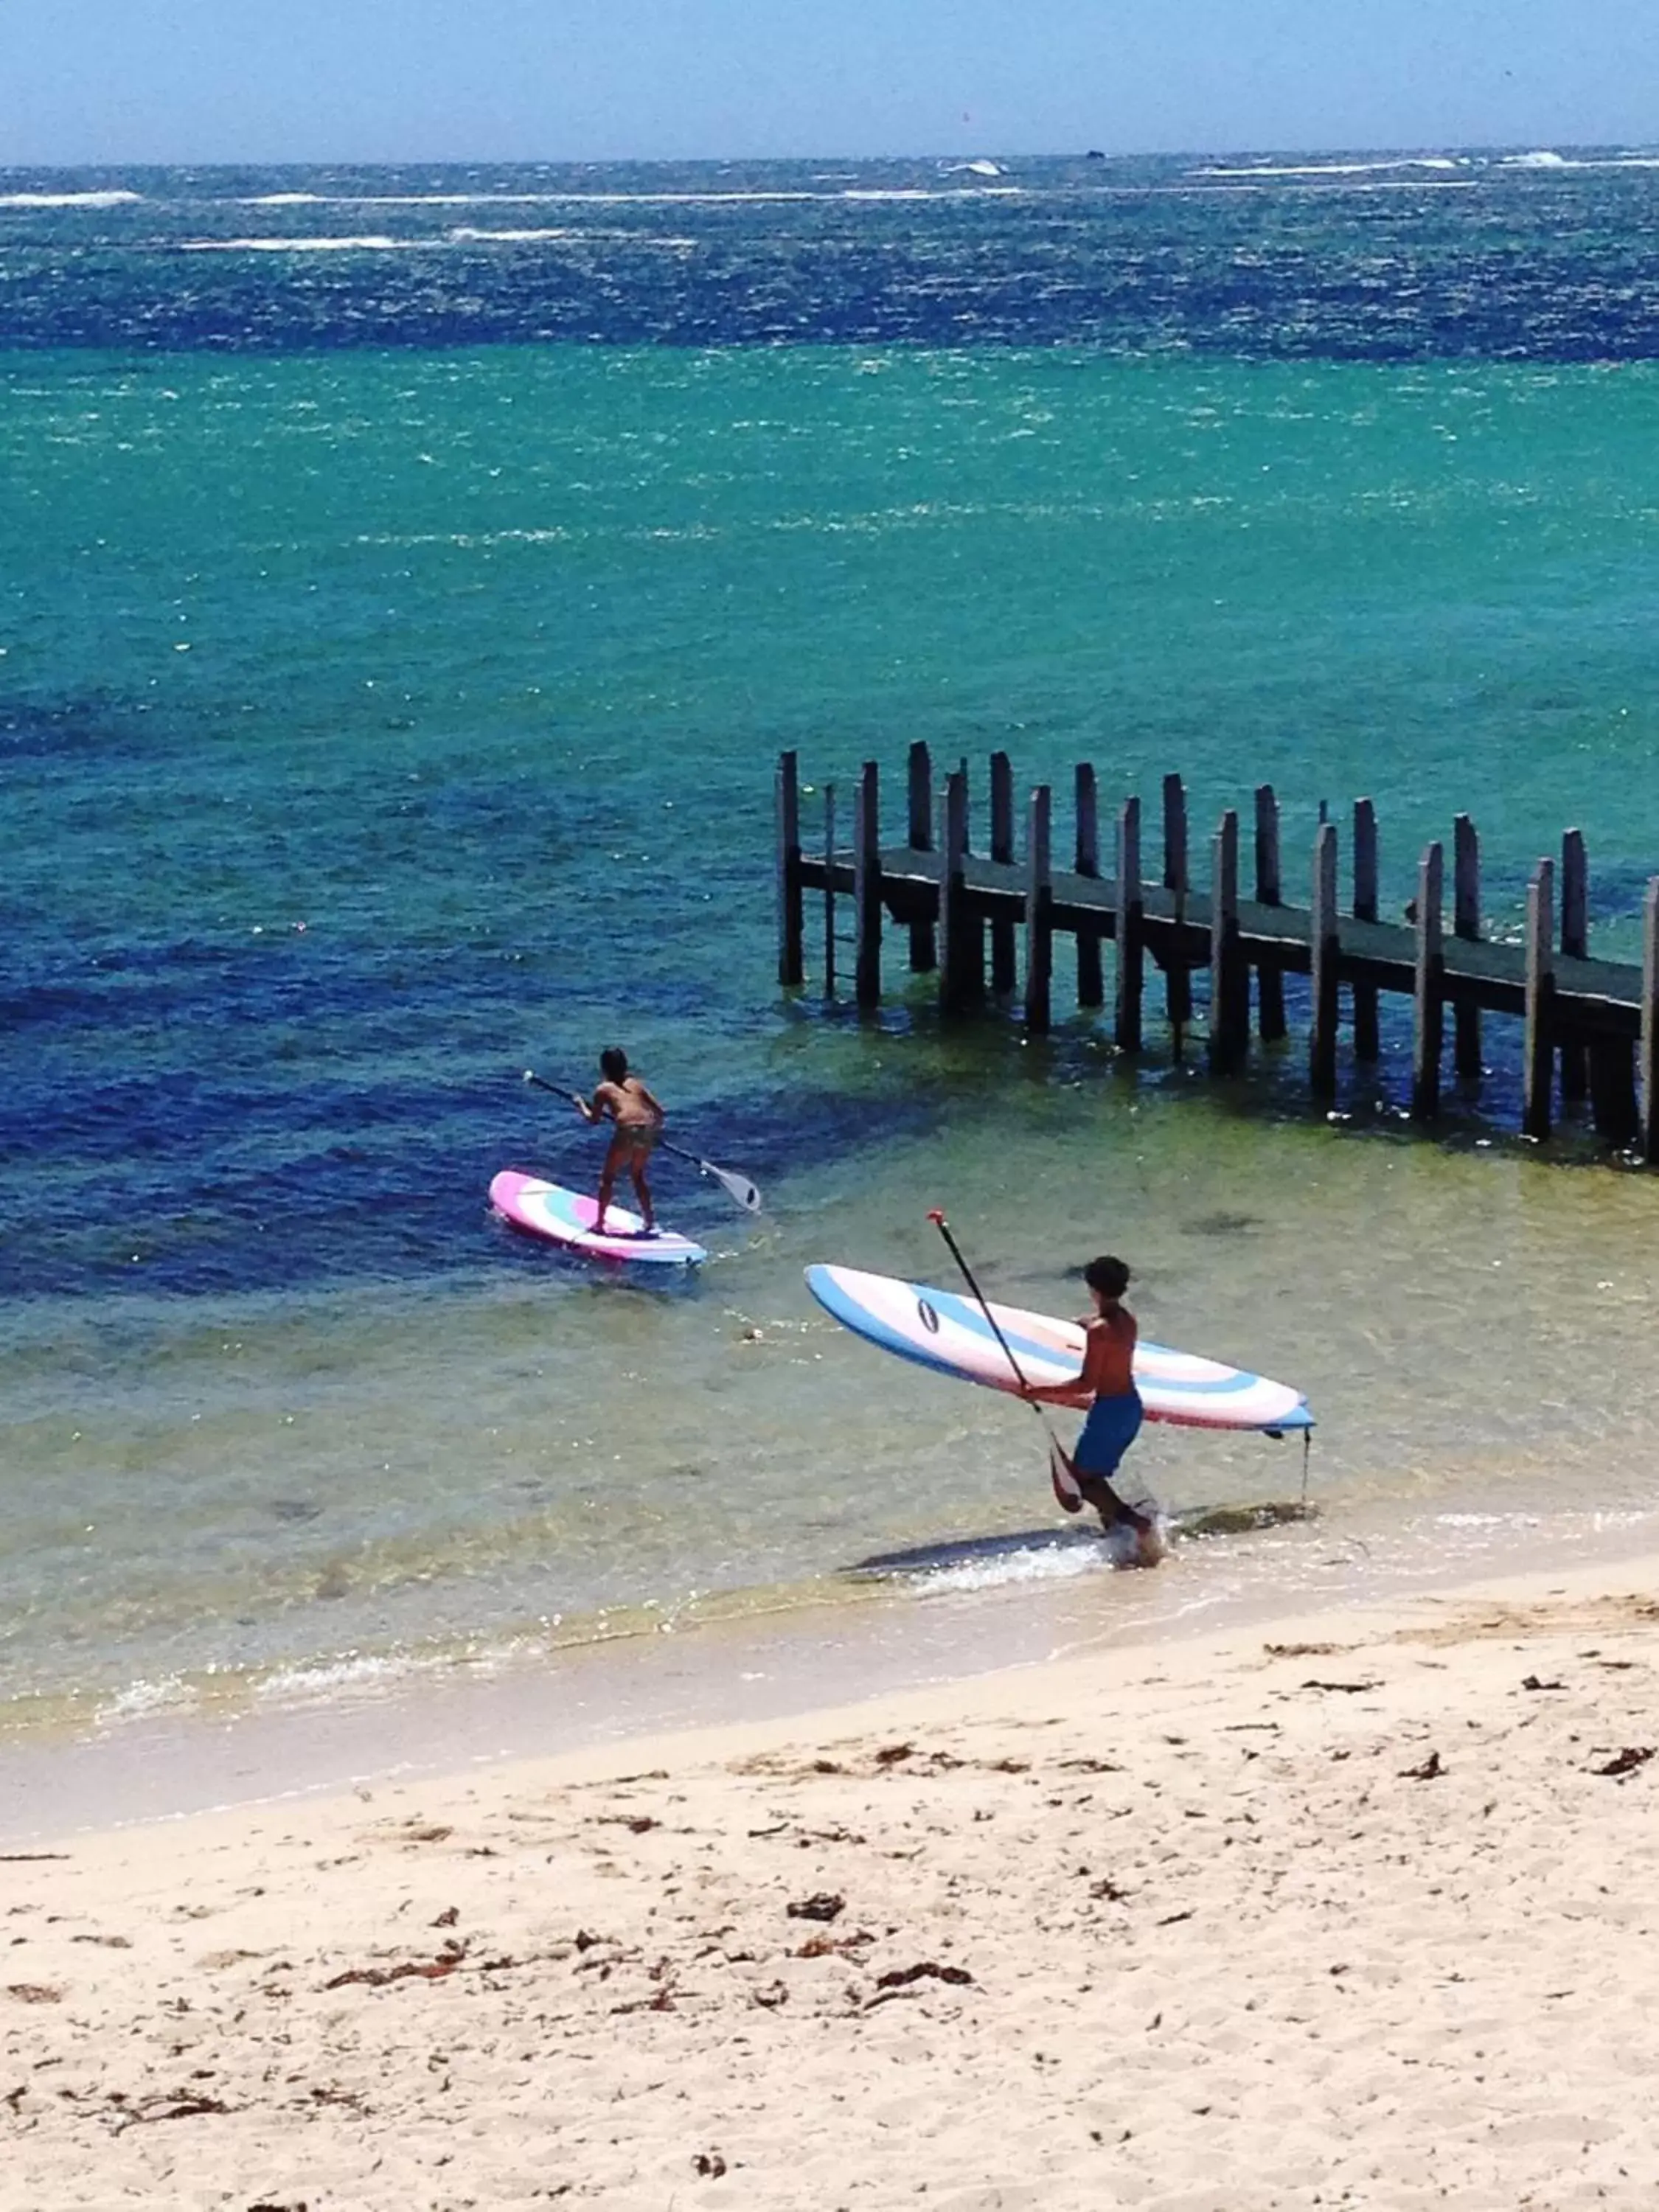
x=69 y=199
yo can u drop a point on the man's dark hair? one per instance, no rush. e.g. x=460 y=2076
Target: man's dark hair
x=1107 y=1274
x=613 y=1064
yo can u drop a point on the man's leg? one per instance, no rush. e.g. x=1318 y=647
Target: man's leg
x=607 y=1184
x=642 y=1189
x=1106 y=1502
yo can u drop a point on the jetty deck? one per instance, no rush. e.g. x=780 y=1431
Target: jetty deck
x=1591 y=1025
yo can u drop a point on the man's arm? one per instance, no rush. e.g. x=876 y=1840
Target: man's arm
x=1063 y=1394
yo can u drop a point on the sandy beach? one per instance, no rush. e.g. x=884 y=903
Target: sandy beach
x=1357 y=1911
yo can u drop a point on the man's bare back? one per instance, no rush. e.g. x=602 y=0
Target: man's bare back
x=1109 y=1350
x=627 y=1104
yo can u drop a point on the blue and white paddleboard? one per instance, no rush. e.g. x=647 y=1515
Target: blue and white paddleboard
x=949 y=1333
x=566 y=1218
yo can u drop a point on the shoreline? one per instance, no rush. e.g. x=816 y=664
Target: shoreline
x=1355 y=1908
x=790 y=1666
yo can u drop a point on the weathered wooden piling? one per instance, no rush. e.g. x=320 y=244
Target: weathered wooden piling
x=1538 y=1057
x=958 y=943
x=1131 y=924
x=1325 y=957
x=1091 y=974
x=1647 y=1132
x=866 y=887
x=1039 y=910
x=1178 y=983
x=1269 y=892
x=920 y=793
x=792 y=920
x=1367 y=1031
x=1574 y=946
x=1613 y=1089
x=1004 y=974
x=1230 y=975
x=1429 y=998
x=829 y=890
x=1466 y=925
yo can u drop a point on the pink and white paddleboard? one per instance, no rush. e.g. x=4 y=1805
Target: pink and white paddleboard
x=566 y=1218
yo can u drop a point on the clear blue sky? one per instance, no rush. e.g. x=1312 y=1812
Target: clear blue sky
x=86 y=81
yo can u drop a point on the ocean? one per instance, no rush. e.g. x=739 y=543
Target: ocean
x=407 y=580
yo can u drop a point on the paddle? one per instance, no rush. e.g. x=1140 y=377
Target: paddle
x=739 y=1185
x=1066 y=1488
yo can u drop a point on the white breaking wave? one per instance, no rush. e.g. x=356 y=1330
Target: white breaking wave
x=404 y=200
x=1041 y=1563
x=364 y=245
x=975 y=193
x=353 y=1670
x=139 y=1700
x=1552 y=162
x=465 y=235
x=1331 y=168
x=462 y=235
x=602 y=200
x=69 y=199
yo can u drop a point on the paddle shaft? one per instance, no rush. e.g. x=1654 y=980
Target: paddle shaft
x=944 y=1229
x=1136 y=1519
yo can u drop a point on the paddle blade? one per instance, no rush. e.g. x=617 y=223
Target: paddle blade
x=739 y=1186
x=1067 y=1495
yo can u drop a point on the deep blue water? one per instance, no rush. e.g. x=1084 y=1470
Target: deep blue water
x=1517 y=257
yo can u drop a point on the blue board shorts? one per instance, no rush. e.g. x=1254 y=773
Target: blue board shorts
x=1112 y=1426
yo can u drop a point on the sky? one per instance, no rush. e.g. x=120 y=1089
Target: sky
x=268 y=81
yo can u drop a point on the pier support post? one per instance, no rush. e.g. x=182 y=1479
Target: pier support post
x=1039 y=911
x=954 y=928
x=919 y=831
x=1367 y=1038
x=1466 y=924
x=1177 y=982
x=1613 y=1087
x=1574 y=946
x=1091 y=973
x=829 y=890
x=1538 y=1060
x=1229 y=977
x=1131 y=933
x=791 y=918
x=1429 y=985
x=1648 y=1134
x=1324 y=949
x=1269 y=892
x=1004 y=974
x=866 y=887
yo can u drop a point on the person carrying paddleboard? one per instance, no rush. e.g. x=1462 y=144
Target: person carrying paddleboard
x=1115 y=1415
x=637 y=1118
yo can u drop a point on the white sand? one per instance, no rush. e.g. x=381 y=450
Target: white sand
x=1213 y=1928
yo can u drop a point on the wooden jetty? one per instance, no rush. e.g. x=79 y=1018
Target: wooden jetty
x=1591 y=1024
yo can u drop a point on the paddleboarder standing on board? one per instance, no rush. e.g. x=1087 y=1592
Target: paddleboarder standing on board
x=638 y=1118
x=1114 y=1417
